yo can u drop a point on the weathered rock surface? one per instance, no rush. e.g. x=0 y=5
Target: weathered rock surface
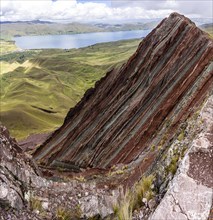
x=169 y=74
x=16 y=171
x=25 y=194
x=190 y=193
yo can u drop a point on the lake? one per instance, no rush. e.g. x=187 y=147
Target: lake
x=75 y=40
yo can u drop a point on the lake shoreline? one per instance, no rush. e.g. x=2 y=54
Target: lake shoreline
x=75 y=41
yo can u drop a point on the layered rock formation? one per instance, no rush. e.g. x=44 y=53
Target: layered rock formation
x=133 y=108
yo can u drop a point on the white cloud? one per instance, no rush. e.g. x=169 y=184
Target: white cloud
x=191 y=8
x=201 y=8
x=71 y=10
x=31 y=10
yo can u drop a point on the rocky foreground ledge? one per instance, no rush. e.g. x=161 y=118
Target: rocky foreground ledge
x=25 y=194
x=190 y=193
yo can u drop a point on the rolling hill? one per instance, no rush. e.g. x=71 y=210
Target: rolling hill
x=38 y=87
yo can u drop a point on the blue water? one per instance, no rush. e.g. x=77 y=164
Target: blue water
x=75 y=40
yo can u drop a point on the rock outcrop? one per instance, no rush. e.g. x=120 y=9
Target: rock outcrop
x=25 y=194
x=190 y=193
x=170 y=73
x=16 y=171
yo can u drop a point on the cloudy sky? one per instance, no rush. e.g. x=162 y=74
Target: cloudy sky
x=101 y=11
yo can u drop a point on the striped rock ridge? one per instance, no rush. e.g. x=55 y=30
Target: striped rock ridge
x=132 y=108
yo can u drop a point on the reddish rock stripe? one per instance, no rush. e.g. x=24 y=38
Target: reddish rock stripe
x=115 y=121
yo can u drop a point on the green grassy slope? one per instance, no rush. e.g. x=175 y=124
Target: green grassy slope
x=7 y=46
x=208 y=28
x=39 y=87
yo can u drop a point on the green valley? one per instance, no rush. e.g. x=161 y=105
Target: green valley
x=38 y=87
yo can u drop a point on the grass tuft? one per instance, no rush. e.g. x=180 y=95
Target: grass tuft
x=133 y=200
x=124 y=209
x=36 y=204
x=181 y=135
x=66 y=214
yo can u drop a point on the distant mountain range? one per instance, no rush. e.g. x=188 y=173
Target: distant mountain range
x=208 y=28
x=10 y=29
x=29 y=22
x=141 y=21
x=37 y=27
x=210 y=25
